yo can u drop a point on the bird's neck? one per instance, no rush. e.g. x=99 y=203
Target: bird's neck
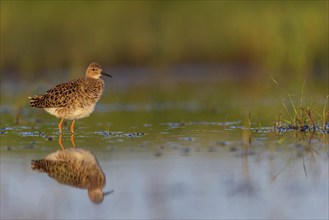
x=93 y=80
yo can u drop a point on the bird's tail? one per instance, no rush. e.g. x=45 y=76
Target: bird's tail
x=36 y=101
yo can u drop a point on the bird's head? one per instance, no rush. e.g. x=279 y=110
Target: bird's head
x=97 y=195
x=94 y=71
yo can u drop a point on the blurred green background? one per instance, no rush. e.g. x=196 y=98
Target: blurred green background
x=286 y=39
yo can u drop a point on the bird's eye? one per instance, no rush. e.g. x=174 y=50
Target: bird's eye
x=94 y=69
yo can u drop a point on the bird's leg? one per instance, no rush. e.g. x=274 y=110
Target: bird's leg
x=60 y=141
x=72 y=140
x=72 y=131
x=60 y=126
x=72 y=126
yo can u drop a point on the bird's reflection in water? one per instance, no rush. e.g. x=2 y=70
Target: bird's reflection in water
x=75 y=167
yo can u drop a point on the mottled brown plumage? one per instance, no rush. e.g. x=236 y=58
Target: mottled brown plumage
x=74 y=167
x=73 y=99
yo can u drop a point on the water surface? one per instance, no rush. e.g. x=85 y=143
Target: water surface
x=182 y=152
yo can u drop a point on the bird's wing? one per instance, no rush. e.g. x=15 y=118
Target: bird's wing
x=68 y=173
x=59 y=96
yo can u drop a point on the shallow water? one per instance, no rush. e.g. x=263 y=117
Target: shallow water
x=169 y=156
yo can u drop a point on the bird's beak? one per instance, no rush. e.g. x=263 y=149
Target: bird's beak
x=105 y=74
x=109 y=192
